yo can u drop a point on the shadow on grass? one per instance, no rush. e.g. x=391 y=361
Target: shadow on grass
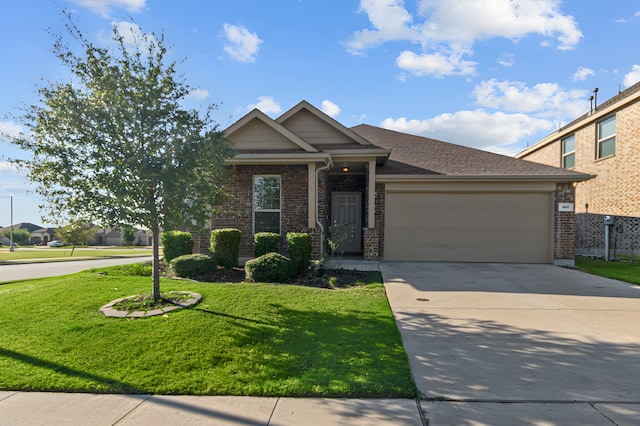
x=325 y=354
x=117 y=386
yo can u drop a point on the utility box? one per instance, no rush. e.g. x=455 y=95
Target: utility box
x=609 y=220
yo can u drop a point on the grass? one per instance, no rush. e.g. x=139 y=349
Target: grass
x=242 y=339
x=623 y=271
x=64 y=253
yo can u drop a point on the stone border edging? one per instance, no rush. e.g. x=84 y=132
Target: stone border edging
x=109 y=311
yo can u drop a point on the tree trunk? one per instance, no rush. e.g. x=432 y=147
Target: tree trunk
x=155 y=232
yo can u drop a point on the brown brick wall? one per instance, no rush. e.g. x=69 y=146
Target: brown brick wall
x=615 y=189
x=238 y=211
x=549 y=155
x=564 y=233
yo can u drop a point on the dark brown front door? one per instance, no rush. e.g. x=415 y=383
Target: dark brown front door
x=347 y=212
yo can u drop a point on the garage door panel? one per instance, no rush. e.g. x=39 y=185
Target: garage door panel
x=486 y=227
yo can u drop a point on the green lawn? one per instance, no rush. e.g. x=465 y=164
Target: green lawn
x=64 y=253
x=623 y=271
x=242 y=339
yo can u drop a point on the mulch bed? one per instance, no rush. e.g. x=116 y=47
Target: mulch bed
x=315 y=277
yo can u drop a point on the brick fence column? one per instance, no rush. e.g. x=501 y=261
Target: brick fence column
x=564 y=232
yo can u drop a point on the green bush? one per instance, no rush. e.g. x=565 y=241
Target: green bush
x=299 y=249
x=176 y=243
x=265 y=242
x=193 y=265
x=270 y=268
x=225 y=246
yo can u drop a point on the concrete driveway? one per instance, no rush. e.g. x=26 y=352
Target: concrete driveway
x=486 y=334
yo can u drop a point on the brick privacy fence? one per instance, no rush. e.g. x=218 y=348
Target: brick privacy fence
x=624 y=235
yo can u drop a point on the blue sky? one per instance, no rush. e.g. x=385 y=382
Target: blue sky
x=491 y=74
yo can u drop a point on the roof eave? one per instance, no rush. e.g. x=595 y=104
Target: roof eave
x=482 y=178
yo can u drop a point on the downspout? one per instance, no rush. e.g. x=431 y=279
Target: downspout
x=328 y=164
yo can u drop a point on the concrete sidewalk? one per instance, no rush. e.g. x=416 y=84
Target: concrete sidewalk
x=498 y=344
x=51 y=409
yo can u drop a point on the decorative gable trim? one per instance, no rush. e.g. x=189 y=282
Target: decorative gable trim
x=256 y=114
x=304 y=105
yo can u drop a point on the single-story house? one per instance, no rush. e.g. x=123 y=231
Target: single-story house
x=400 y=196
x=43 y=236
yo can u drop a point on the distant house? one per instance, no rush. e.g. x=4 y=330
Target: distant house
x=43 y=235
x=604 y=143
x=113 y=237
x=23 y=225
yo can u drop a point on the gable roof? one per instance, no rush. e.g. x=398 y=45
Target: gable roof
x=323 y=118
x=417 y=155
x=256 y=114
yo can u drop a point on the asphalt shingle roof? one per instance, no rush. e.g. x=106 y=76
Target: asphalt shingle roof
x=411 y=154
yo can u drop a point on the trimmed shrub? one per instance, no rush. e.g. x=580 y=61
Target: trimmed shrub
x=265 y=242
x=270 y=268
x=176 y=243
x=299 y=249
x=193 y=265
x=225 y=246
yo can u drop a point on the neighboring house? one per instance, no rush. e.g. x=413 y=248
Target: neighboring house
x=603 y=142
x=43 y=235
x=113 y=237
x=23 y=225
x=404 y=197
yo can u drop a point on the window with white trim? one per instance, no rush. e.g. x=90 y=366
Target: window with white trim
x=569 y=152
x=606 y=137
x=266 y=204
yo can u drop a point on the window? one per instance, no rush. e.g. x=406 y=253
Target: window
x=606 y=135
x=569 y=152
x=266 y=204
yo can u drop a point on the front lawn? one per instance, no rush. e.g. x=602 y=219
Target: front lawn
x=619 y=270
x=242 y=339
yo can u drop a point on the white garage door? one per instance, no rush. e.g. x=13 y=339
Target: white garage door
x=469 y=227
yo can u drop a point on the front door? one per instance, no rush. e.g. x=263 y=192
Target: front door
x=346 y=215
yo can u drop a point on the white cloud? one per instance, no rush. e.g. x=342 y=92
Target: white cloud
x=390 y=21
x=436 y=64
x=104 y=7
x=506 y=60
x=242 y=45
x=267 y=105
x=330 y=108
x=632 y=77
x=478 y=129
x=447 y=30
x=132 y=35
x=582 y=73
x=199 y=94
x=545 y=100
x=9 y=130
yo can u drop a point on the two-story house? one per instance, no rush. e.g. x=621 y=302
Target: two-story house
x=604 y=142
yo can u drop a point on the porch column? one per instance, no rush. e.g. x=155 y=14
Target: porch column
x=312 y=194
x=371 y=195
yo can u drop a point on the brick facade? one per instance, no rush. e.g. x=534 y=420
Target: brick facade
x=614 y=191
x=238 y=211
x=564 y=227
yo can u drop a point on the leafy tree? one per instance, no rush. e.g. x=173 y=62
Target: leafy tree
x=115 y=146
x=128 y=235
x=20 y=236
x=77 y=232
